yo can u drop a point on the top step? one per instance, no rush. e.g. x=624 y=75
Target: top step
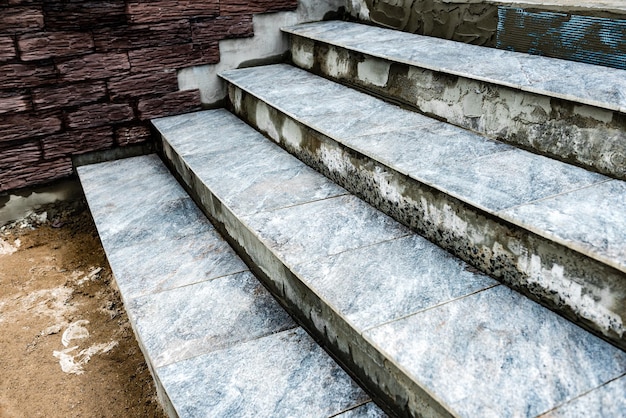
x=566 y=110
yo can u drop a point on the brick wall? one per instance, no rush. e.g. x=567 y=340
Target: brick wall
x=85 y=75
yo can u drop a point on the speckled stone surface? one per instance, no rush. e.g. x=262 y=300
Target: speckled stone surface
x=196 y=319
x=321 y=228
x=560 y=218
x=497 y=353
x=606 y=401
x=411 y=273
x=583 y=83
x=478 y=349
x=283 y=375
x=368 y=410
x=188 y=296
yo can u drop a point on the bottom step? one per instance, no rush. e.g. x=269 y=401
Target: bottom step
x=215 y=340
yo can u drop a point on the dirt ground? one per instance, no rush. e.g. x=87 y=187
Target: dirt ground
x=66 y=346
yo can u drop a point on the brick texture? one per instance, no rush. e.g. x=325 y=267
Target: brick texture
x=159 y=11
x=7 y=48
x=69 y=95
x=77 y=142
x=23 y=126
x=258 y=6
x=170 y=104
x=135 y=134
x=85 y=75
x=144 y=84
x=54 y=44
x=99 y=115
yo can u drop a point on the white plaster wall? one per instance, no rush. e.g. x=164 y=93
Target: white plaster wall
x=267 y=42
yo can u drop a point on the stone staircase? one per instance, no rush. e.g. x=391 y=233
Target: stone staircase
x=513 y=167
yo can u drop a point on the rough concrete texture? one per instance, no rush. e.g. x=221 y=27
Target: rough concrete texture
x=581 y=134
x=268 y=44
x=585 y=290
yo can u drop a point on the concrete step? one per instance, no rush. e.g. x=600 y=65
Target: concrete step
x=425 y=333
x=215 y=340
x=554 y=231
x=571 y=111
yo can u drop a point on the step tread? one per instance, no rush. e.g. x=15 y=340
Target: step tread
x=195 y=307
x=579 y=82
x=495 y=177
x=378 y=277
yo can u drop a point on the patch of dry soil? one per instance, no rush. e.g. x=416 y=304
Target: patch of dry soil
x=66 y=346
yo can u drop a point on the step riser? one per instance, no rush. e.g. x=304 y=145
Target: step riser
x=580 y=288
x=581 y=134
x=383 y=380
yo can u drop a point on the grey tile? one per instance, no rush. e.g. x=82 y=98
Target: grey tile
x=386 y=281
x=496 y=353
x=584 y=83
x=189 y=321
x=170 y=263
x=498 y=181
x=606 y=401
x=368 y=410
x=591 y=220
x=313 y=230
x=285 y=374
x=266 y=178
x=427 y=147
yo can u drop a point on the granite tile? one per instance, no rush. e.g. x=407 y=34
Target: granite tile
x=510 y=357
x=169 y=263
x=606 y=401
x=206 y=132
x=368 y=410
x=506 y=179
x=285 y=374
x=390 y=280
x=326 y=227
x=583 y=83
x=591 y=220
x=410 y=150
x=189 y=321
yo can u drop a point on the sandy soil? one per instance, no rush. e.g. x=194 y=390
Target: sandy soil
x=66 y=346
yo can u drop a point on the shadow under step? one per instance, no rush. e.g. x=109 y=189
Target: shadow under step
x=567 y=110
x=426 y=334
x=215 y=340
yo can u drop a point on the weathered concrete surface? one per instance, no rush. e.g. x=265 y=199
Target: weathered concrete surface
x=560 y=275
x=563 y=122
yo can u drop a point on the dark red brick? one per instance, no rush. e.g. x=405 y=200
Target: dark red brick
x=173 y=57
x=142 y=36
x=222 y=27
x=7 y=48
x=159 y=11
x=69 y=95
x=83 y=14
x=19 y=154
x=258 y=6
x=94 y=66
x=37 y=173
x=20 y=19
x=142 y=84
x=14 y=101
x=170 y=104
x=77 y=142
x=21 y=126
x=127 y=135
x=99 y=114
x=25 y=75
x=37 y=46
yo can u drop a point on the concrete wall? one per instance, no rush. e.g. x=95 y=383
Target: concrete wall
x=86 y=75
